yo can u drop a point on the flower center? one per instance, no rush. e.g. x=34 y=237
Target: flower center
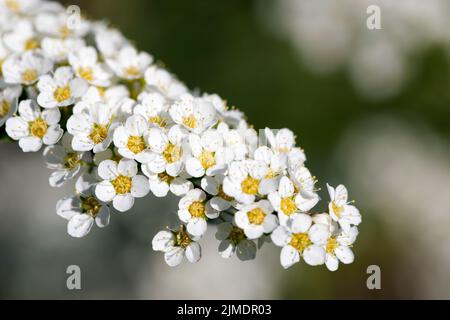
x=5 y=106
x=31 y=44
x=99 y=133
x=122 y=184
x=300 y=241
x=207 y=159
x=250 y=186
x=223 y=195
x=337 y=209
x=172 y=153
x=86 y=73
x=91 y=206
x=332 y=244
x=62 y=94
x=64 y=31
x=256 y=216
x=72 y=160
x=236 y=235
x=136 y=144
x=29 y=75
x=182 y=238
x=158 y=120
x=12 y=5
x=190 y=121
x=164 y=177
x=132 y=72
x=197 y=209
x=38 y=127
x=288 y=206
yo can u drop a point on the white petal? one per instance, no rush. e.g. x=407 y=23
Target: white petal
x=319 y=233
x=253 y=231
x=30 y=144
x=286 y=187
x=140 y=186
x=344 y=254
x=289 y=256
x=54 y=133
x=270 y=223
x=197 y=227
x=102 y=219
x=174 y=257
x=226 y=249
x=123 y=202
x=105 y=191
x=80 y=225
x=163 y=240
x=68 y=207
x=108 y=170
x=280 y=236
x=194 y=168
x=331 y=262
x=314 y=255
x=300 y=223
x=127 y=167
x=193 y=252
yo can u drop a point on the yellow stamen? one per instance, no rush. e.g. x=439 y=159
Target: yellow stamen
x=122 y=184
x=197 y=209
x=29 y=76
x=86 y=73
x=5 y=106
x=300 y=241
x=223 y=195
x=90 y=206
x=164 y=177
x=250 y=186
x=332 y=244
x=158 y=120
x=136 y=144
x=337 y=209
x=172 y=153
x=62 y=94
x=99 y=133
x=207 y=159
x=256 y=216
x=38 y=127
x=190 y=121
x=288 y=206
x=31 y=44
x=72 y=160
x=132 y=72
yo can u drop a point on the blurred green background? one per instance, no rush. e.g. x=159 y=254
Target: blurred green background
x=225 y=47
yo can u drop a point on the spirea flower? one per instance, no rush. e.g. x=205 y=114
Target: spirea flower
x=120 y=126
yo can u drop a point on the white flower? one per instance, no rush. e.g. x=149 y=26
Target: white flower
x=195 y=114
x=206 y=154
x=22 y=38
x=8 y=102
x=233 y=240
x=256 y=219
x=153 y=107
x=57 y=25
x=219 y=104
x=176 y=245
x=162 y=81
x=33 y=128
x=194 y=210
x=109 y=41
x=276 y=164
x=236 y=147
x=129 y=64
x=282 y=141
x=301 y=238
x=25 y=68
x=214 y=186
x=92 y=129
x=161 y=183
x=121 y=183
x=243 y=180
x=19 y=6
x=58 y=50
x=338 y=249
x=61 y=89
x=82 y=210
x=64 y=160
x=131 y=139
x=169 y=150
x=288 y=201
x=346 y=215
x=85 y=63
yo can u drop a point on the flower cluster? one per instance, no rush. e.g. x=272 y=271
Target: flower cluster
x=106 y=116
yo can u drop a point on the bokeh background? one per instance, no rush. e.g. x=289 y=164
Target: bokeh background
x=370 y=107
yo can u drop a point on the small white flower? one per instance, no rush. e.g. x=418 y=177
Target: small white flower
x=56 y=25
x=195 y=114
x=233 y=240
x=276 y=164
x=170 y=152
x=129 y=64
x=161 y=183
x=64 y=160
x=162 y=81
x=153 y=107
x=256 y=219
x=19 y=6
x=282 y=141
x=92 y=129
x=194 y=210
x=301 y=238
x=109 y=41
x=85 y=63
x=58 y=50
x=214 y=186
x=131 y=139
x=25 y=68
x=340 y=210
x=236 y=147
x=243 y=180
x=61 y=89
x=207 y=157
x=121 y=183
x=176 y=245
x=33 y=128
x=8 y=102
x=22 y=38
x=288 y=201
x=338 y=249
x=82 y=210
